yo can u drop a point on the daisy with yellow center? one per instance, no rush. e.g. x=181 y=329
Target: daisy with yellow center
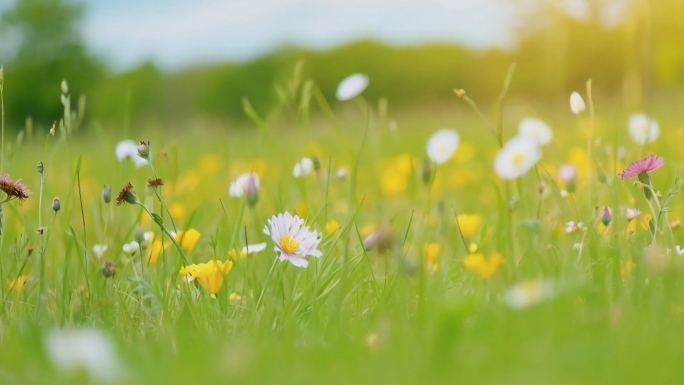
x=294 y=241
x=517 y=157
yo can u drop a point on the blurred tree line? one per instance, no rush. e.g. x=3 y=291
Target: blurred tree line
x=631 y=53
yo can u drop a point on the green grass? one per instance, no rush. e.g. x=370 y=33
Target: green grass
x=354 y=316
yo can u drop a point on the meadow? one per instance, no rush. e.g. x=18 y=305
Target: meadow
x=502 y=250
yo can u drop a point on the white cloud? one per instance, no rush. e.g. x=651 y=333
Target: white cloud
x=182 y=32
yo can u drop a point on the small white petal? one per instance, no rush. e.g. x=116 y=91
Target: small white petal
x=535 y=129
x=351 y=87
x=577 y=103
x=249 y=249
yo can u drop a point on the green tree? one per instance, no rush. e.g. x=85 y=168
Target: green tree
x=51 y=49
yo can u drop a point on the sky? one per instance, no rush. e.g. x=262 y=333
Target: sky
x=179 y=33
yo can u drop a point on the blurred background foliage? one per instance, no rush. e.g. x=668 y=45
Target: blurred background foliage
x=635 y=60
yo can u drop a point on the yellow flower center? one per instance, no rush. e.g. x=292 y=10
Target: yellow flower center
x=518 y=158
x=288 y=244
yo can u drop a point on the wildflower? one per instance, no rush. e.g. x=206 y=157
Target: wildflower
x=341 y=173
x=294 y=241
x=643 y=129
x=485 y=268
x=13 y=189
x=235 y=297
x=155 y=182
x=144 y=150
x=126 y=195
x=644 y=222
x=351 y=87
x=630 y=213
x=536 y=130
x=83 y=350
x=187 y=239
x=568 y=175
x=606 y=216
x=576 y=103
x=210 y=275
x=442 y=145
x=303 y=168
x=99 y=250
x=40 y=167
x=331 y=226
x=469 y=224
x=643 y=166
x=431 y=253
x=129 y=149
x=106 y=194
x=56 y=205
x=108 y=269
x=131 y=248
x=517 y=157
x=245 y=185
x=572 y=227
x=17 y=284
x=529 y=293
x=155 y=249
x=249 y=249
x=380 y=239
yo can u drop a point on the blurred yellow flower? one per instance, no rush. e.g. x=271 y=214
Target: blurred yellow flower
x=396 y=175
x=210 y=275
x=482 y=266
x=331 y=226
x=469 y=224
x=17 y=285
x=302 y=209
x=209 y=164
x=466 y=151
x=187 y=239
x=627 y=269
x=431 y=253
x=155 y=249
x=641 y=220
x=187 y=183
x=177 y=210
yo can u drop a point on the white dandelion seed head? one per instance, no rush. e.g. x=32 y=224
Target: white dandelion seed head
x=303 y=168
x=517 y=157
x=643 y=129
x=442 y=145
x=129 y=149
x=294 y=241
x=577 y=103
x=237 y=187
x=87 y=350
x=535 y=129
x=351 y=87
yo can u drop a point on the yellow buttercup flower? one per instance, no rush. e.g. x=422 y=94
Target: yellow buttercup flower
x=210 y=275
x=17 y=285
x=431 y=253
x=155 y=249
x=469 y=224
x=331 y=226
x=482 y=266
x=187 y=239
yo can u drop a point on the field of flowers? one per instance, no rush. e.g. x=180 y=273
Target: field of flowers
x=360 y=246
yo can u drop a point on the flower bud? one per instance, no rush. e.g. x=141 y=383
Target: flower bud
x=425 y=172
x=341 y=173
x=144 y=150
x=56 y=205
x=139 y=235
x=65 y=87
x=40 y=168
x=316 y=163
x=106 y=194
x=577 y=103
x=606 y=216
x=568 y=174
x=108 y=269
x=251 y=190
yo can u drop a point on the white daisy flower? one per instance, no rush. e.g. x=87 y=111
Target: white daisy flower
x=643 y=129
x=535 y=129
x=517 y=157
x=303 y=168
x=294 y=241
x=442 y=145
x=630 y=213
x=83 y=350
x=241 y=183
x=351 y=87
x=529 y=293
x=577 y=103
x=99 y=250
x=129 y=149
x=131 y=248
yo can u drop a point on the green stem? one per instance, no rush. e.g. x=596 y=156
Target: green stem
x=168 y=234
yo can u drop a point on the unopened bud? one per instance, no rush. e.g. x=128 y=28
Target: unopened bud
x=606 y=216
x=674 y=225
x=316 y=163
x=108 y=269
x=106 y=194
x=40 y=168
x=144 y=149
x=251 y=190
x=65 y=87
x=2 y=76
x=56 y=205
x=568 y=174
x=341 y=173
x=425 y=172
x=139 y=235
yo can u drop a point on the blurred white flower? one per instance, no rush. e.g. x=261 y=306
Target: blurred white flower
x=516 y=157
x=83 y=350
x=237 y=187
x=131 y=248
x=294 y=241
x=630 y=213
x=341 y=173
x=535 y=129
x=442 y=145
x=99 y=250
x=351 y=87
x=679 y=250
x=572 y=227
x=577 y=103
x=303 y=168
x=129 y=149
x=529 y=293
x=643 y=129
